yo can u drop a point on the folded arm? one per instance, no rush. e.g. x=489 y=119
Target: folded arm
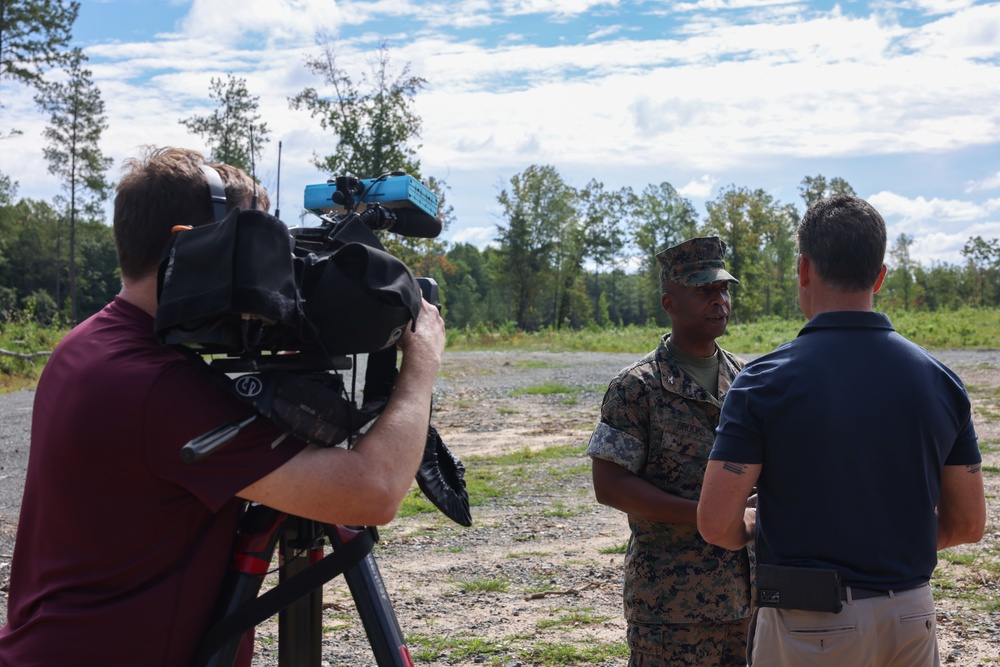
x=616 y=487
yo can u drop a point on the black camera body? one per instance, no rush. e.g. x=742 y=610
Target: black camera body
x=250 y=288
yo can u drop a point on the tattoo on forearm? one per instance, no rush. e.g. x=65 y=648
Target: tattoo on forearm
x=973 y=469
x=737 y=468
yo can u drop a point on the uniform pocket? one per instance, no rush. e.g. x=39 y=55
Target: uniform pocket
x=687 y=439
x=644 y=639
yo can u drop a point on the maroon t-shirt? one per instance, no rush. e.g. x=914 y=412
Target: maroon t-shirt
x=122 y=547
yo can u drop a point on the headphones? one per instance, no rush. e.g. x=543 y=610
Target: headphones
x=217 y=191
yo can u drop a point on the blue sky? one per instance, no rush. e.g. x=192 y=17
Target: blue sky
x=901 y=99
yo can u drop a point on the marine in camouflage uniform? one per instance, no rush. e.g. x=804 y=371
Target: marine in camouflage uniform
x=686 y=602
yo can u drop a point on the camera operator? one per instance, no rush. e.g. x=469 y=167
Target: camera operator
x=121 y=547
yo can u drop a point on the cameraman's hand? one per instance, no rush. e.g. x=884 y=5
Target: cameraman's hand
x=365 y=485
x=425 y=343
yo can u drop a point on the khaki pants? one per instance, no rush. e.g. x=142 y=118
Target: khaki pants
x=720 y=644
x=898 y=630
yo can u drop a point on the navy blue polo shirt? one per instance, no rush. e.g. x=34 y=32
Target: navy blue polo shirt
x=851 y=423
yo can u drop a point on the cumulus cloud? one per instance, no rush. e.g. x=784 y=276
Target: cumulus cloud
x=742 y=91
x=700 y=188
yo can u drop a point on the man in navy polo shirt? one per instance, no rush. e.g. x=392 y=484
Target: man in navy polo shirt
x=864 y=455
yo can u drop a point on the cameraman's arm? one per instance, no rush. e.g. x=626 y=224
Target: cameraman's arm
x=366 y=484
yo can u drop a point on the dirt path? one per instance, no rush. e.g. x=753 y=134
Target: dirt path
x=537 y=579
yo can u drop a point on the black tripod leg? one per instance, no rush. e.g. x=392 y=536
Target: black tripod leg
x=300 y=624
x=258 y=534
x=374 y=606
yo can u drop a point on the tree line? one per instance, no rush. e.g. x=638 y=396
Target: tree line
x=562 y=256
x=567 y=257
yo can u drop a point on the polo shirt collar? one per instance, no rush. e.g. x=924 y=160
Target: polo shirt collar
x=848 y=319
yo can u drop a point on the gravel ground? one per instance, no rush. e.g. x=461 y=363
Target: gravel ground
x=549 y=548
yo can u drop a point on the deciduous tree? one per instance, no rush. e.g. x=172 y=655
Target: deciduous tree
x=661 y=218
x=375 y=121
x=233 y=132
x=534 y=242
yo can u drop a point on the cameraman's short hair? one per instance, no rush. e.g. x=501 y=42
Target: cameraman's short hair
x=240 y=188
x=162 y=188
x=845 y=239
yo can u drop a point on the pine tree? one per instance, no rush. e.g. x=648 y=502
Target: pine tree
x=73 y=153
x=34 y=35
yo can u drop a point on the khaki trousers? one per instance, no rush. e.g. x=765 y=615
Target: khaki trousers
x=898 y=630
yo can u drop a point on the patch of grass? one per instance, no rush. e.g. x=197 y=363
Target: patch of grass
x=960 y=575
x=483 y=586
x=592 y=652
x=956 y=558
x=614 y=549
x=428 y=649
x=559 y=510
x=509 y=411
x=415 y=503
x=529 y=554
x=572 y=619
x=526 y=455
x=519 y=648
x=546 y=389
x=537 y=363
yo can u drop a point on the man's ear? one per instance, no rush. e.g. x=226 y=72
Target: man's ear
x=667 y=301
x=881 y=278
x=805 y=270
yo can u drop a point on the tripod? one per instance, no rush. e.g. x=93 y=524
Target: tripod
x=298 y=596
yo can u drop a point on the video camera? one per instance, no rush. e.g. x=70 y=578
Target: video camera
x=248 y=287
x=289 y=308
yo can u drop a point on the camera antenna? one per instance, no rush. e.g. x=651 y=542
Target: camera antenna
x=277 y=190
x=253 y=173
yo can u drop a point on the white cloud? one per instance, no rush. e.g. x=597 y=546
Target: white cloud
x=558 y=8
x=477 y=236
x=709 y=97
x=700 y=188
x=972 y=33
x=940 y=227
x=275 y=21
x=991 y=182
x=606 y=31
x=938 y=6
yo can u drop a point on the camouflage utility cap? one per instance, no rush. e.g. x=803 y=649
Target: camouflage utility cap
x=695 y=262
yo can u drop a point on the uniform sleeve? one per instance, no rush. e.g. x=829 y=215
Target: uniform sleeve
x=621 y=436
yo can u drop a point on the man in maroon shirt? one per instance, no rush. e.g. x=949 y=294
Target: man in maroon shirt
x=121 y=547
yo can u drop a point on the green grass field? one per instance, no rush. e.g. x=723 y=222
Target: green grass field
x=968 y=328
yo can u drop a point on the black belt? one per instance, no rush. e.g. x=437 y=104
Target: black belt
x=861 y=593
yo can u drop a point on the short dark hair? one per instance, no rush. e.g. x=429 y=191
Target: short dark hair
x=845 y=238
x=162 y=188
